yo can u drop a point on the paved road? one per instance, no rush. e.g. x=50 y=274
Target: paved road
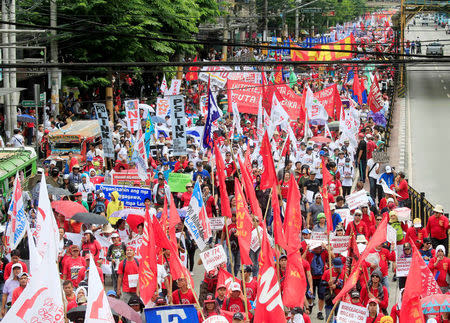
x=429 y=106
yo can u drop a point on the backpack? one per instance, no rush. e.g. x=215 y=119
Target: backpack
x=160 y=198
x=99 y=206
x=125 y=262
x=317 y=265
x=234 y=243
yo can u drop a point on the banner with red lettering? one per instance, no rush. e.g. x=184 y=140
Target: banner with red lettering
x=250 y=77
x=132 y=115
x=375 y=99
x=290 y=101
x=245 y=95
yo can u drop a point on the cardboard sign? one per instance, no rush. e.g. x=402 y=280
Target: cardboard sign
x=380 y=157
x=349 y=313
x=129 y=195
x=132 y=113
x=162 y=107
x=172 y=314
x=357 y=199
x=103 y=121
x=217 y=223
x=320 y=236
x=130 y=177
x=213 y=258
x=178 y=118
x=177 y=182
x=403 y=214
x=340 y=243
x=403 y=262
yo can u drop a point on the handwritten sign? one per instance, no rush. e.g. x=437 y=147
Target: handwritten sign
x=320 y=236
x=403 y=214
x=340 y=243
x=216 y=223
x=403 y=262
x=350 y=313
x=357 y=199
x=162 y=107
x=213 y=258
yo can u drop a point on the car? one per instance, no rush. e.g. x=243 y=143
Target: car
x=426 y=21
x=447 y=29
x=435 y=49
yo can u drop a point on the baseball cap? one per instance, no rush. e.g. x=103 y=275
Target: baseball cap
x=388 y=169
x=235 y=287
x=115 y=235
x=417 y=223
x=22 y=274
x=238 y=316
x=220 y=286
x=209 y=299
x=88 y=231
x=78 y=194
x=372 y=300
x=354 y=294
x=111 y=293
x=16 y=265
x=306 y=231
x=337 y=263
x=358 y=211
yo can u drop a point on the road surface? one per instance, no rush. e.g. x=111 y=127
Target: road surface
x=428 y=100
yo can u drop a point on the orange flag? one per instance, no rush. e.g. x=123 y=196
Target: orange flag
x=148 y=269
x=293 y=220
x=226 y=209
x=295 y=284
x=244 y=225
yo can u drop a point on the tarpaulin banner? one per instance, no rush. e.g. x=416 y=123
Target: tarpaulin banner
x=172 y=314
x=132 y=115
x=130 y=196
x=216 y=75
x=162 y=107
x=245 y=95
x=323 y=55
x=291 y=102
x=105 y=129
x=250 y=77
x=178 y=118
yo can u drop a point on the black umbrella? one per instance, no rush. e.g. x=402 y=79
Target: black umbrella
x=91 y=218
x=78 y=313
x=57 y=191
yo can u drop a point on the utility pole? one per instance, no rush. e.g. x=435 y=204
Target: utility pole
x=266 y=23
x=296 y=25
x=37 y=92
x=54 y=57
x=14 y=101
x=5 y=59
x=226 y=36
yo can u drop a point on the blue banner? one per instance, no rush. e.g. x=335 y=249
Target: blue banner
x=172 y=314
x=130 y=196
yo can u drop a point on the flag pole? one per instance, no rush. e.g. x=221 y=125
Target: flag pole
x=332 y=310
x=196 y=298
x=245 y=291
x=229 y=247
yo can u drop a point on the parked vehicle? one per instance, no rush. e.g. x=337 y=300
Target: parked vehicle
x=435 y=49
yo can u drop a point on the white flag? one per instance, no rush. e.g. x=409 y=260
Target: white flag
x=175 y=87
x=17 y=226
x=97 y=309
x=277 y=114
x=259 y=123
x=164 y=85
x=140 y=156
x=41 y=300
x=35 y=257
x=47 y=233
x=236 y=119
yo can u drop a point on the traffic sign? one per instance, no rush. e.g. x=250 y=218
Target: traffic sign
x=311 y=10
x=28 y=103
x=43 y=97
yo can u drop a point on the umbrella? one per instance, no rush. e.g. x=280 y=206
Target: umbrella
x=134 y=220
x=438 y=303
x=124 y=309
x=333 y=126
x=146 y=106
x=57 y=191
x=158 y=119
x=123 y=214
x=79 y=313
x=68 y=208
x=91 y=218
x=25 y=118
x=320 y=139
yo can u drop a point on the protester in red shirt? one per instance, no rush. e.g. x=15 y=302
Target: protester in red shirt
x=375 y=289
x=128 y=275
x=181 y=164
x=284 y=185
x=367 y=216
x=251 y=284
x=68 y=291
x=15 y=254
x=183 y=295
x=210 y=204
x=357 y=226
x=72 y=265
x=210 y=308
x=439 y=266
x=186 y=196
x=23 y=281
x=317 y=259
x=333 y=284
x=437 y=227
x=401 y=188
x=416 y=233
x=90 y=245
x=83 y=274
x=374 y=315
x=235 y=303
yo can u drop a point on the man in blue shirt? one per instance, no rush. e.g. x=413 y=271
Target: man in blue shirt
x=335 y=217
x=203 y=173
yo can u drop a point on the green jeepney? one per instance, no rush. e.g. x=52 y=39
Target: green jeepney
x=13 y=160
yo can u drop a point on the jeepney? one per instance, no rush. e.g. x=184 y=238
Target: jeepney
x=13 y=160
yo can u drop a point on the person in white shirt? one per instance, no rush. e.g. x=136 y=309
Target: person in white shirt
x=347 y=177
x=373 y=173
x=17 y=139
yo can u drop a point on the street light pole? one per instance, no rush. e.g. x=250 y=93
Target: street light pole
x=54 y=57
x=5 y=59
x=13 y=76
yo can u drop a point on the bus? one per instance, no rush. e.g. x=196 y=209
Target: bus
x=13 y=160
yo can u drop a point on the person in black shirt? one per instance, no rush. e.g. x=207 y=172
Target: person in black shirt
x=361 y=160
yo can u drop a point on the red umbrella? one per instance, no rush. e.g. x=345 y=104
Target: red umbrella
x=134 y=220
x=320 y=139
x=68 y=208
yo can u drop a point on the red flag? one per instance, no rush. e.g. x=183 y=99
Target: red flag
x=287 y=147
x=152 y=161
x=357 y=90
x=429 y=284
x=148 y=270
x=267 y=93
x=327 y=177
x=378 y=238
x=280 y=238
x=278 y=77
x=244 y=225
x=293 y=220
x=411 y=310
x=174 y=219
x=225 y=278
x=225 y=202
x=269 y=306
x=164 y=216
x=326 y=209
x=295 y=281
x=375 y=99
x=250 y=190
x=192 y=74
x=269 y=176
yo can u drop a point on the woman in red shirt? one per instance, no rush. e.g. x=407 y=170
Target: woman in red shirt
x=439 y=267
x=284 y=186
x=210 y=307
x=91 y=245
x=186 y=196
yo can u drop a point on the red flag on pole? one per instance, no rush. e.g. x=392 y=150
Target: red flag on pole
x=357 y=87
x=375 y=98
x=148 y=270
x=174 y=219
x=295 y=281
x=269 y=176
x=326 y=209
x=192 y=74
x=244 y=225
x=279 y=235
x=293 y=219
x=250 y=190
x=225 y=202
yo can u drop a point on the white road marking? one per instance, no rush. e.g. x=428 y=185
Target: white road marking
x=445 y=88
x=442 y=81
x=448 y=95
x=440 y=75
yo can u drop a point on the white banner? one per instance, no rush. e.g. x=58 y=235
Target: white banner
x=349 y=313
x=178 y=118
x=174 y=87
x=217 y=75
x=403 y=263
x=213 y=258
x=216 y=319
x=339 y=243
x=105 y=129
x=356 y=199
x=217 y=223
x=403 y=214
x=132 y=115
x=162 y=107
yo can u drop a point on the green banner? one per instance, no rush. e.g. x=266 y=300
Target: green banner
x=178 y=181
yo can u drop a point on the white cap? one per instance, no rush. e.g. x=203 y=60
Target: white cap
x=53 y=162
x=235 y=287
x=390 y=200
x=115 y=235
x=388 y=169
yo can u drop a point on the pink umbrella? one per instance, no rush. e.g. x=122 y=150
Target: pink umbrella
x=68 y=208
x=124 y=309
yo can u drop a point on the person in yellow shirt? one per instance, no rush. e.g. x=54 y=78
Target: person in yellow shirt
x=113 y=206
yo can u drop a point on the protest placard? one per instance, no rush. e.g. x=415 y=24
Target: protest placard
x=320 y=236
x=403 y=262
x=403 y=214
x=172 y=313
x=177 y=182
x=132 y=115
x=350 y=313
x=129 y=195
x=130 y=177
x=216 y=75
x=312 y=244
x=103 y=121
x=162 y=107
x=380 y=157
x=216 y=319
x=178 y=125
x=386 y=189
x=345 y=216
x=391 y=236
x=339 y=243
x=213 y=258
x=217 y=223
x=356 y=199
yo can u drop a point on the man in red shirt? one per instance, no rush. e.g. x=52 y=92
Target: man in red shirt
x=68 y=291
x=401 y=188
x=251 y=285
x=128 y=276
x=437 y=227
x=23 y=281
x=235 y=303
x=15 y=254
x=416 y=233
x=83 y=274
x=183 y=295
x=230 y=170
x=357 y=226
x=374 y=312
x=73 y=264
